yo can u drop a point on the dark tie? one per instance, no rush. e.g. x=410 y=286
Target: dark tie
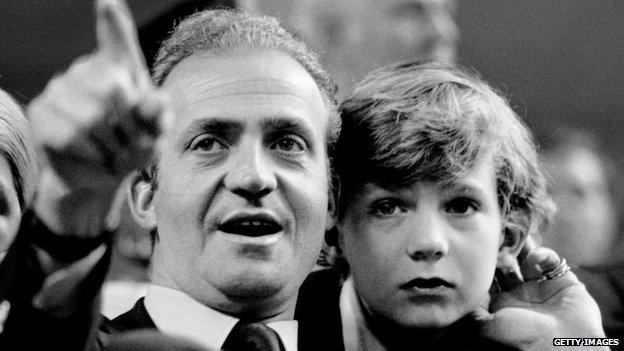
x=252 y=337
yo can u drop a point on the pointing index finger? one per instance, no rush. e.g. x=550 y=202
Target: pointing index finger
x=118 y=40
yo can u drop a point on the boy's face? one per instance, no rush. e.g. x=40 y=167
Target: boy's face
x=424 y=255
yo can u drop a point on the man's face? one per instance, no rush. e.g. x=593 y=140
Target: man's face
x=242 y=199
x=362 y=35
x=423 y=256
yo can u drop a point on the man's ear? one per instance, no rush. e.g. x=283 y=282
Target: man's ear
x=513 y=240
x=140 y=197
x=332 y=203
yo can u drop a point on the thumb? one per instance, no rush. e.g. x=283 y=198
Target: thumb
x=482 y=315
x=538 y=261
x=118 y=41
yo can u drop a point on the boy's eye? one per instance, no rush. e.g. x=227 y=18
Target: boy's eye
x=386 y=208
x=289 y=144
x=209 y=144
x=461 y=206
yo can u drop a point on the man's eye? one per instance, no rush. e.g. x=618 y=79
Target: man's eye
x=289 y=144
x=386 y=208
x=461 y=206
x=207 y=144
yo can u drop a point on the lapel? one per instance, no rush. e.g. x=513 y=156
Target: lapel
x=318 y=312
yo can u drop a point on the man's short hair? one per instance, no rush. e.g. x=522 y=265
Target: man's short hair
x=222 y=31
x=414 y=122
x=17 y=145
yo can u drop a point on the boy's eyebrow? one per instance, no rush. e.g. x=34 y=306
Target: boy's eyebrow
x=464 y=188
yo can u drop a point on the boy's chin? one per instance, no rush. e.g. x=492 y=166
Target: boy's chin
x=425 y=318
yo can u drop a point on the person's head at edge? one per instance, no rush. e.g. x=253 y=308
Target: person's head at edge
x=438 y=179
x=358 y=36
x=238 y=194
x=18 y=168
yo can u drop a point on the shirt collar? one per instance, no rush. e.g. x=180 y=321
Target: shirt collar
x=355 y=332
x=178 y=314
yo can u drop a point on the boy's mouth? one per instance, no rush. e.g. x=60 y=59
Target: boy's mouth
x=427 y=284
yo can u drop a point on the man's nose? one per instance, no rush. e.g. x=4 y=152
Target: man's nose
x=428 y=239
x=251 y=175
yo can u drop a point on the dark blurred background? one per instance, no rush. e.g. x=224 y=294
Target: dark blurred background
x=558 y=60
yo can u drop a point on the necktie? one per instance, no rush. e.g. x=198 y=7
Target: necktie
x=252 y=337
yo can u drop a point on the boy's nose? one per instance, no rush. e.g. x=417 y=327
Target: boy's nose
x=251 y=175
x=428 y=239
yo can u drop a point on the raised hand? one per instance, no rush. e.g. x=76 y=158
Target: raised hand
x=96 y=122
x=535 y=311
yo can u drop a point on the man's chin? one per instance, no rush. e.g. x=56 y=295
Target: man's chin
x=255 y=283
x=255 y=297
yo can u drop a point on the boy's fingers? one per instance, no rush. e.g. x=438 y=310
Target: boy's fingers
x=118 y=40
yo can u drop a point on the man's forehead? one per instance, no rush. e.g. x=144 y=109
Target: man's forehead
x=209 y=66
x=239 y=81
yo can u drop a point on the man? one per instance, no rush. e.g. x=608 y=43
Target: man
x=238 y=192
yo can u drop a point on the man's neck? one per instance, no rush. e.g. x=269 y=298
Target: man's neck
x=177 y=313
x=250 y=309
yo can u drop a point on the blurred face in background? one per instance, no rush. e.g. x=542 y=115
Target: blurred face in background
x=357 y=36
x=10 y=210
x=584 y=226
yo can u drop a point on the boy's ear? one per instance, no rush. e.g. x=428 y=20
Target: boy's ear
x=140 y=197
x=332 y=203
x=513 y=240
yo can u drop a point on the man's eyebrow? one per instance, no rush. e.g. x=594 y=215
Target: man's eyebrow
x=289 y=124
x=223 y=128
x=219 y=127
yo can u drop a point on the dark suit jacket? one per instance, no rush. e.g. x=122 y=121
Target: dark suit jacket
x=317 y=312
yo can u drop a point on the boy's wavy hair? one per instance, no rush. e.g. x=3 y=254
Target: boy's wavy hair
x=433 y=122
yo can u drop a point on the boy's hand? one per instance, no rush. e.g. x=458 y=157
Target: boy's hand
x=537 y=310
x=96 y=122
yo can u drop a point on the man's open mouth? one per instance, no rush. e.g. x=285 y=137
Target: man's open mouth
x=251 y=225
